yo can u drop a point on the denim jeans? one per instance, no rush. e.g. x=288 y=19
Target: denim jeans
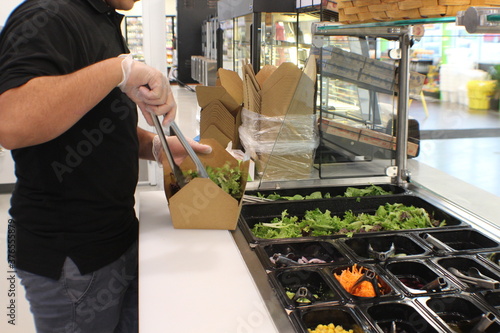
x=104 y=301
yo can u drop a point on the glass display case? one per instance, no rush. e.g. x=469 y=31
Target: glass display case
x=228 y=44
x=134 y=38
x=242 y=42
x=368 y=76
x=280 y=37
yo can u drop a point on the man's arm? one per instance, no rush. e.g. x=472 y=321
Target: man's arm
x=45 y=107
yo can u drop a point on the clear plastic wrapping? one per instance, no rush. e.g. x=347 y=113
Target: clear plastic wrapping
x=282 y=147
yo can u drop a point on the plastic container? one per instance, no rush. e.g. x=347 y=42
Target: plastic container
x=479 y=93
x=308 y=286
x=458 y=241
x=387 y=289
x=461 y=313
x=404 y=315
x=372 y=248
x=419 y=277
x=347 y=317
x=491 y=258
x=266 y=212
x=492 y=299
x=299 y=253
x=464 y=264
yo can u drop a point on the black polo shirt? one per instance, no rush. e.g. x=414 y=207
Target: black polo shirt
x=74 y=195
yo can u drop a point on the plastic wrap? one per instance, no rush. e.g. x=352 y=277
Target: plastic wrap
x=282 y=147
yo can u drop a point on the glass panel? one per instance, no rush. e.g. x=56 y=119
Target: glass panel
x=286 y=37
x=305 y=37
x=355 y=116
x=279 y=38
x=292 y=133
x=227 y=44
x=367 y=26
x=357 y=109
x=459 y=122
x=456 y=116
x=242 y=42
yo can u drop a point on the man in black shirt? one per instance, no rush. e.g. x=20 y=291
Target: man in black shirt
x=68 y=113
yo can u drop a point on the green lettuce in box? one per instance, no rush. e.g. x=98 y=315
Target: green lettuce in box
x=371 y=190
x=317 y=223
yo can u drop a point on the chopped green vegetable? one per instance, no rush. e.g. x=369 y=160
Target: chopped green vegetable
x=367 y=191
x=371 y=190
x=314 y=195
x=226 y=177
x=317 y=223
x=302 y=300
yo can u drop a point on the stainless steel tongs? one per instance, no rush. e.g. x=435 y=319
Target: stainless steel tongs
x=381 y=255
x=177 y=172
x=475 y=278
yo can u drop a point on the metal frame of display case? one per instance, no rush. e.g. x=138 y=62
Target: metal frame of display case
x=401 y=31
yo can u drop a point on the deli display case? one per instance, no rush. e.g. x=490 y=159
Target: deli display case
x=269 y=34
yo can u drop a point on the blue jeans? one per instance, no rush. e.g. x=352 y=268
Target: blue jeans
x=104 y=301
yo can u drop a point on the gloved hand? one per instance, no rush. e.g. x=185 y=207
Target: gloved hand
x=177 y=149
x=148 y=88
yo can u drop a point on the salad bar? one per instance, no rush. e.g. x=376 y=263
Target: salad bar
x=386 y=260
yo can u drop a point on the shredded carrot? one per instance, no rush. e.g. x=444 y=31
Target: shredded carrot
x=348 y=278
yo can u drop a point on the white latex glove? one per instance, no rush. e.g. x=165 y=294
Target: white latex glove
x=148 y=88
x=177 y=149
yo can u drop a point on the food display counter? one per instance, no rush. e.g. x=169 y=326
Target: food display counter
x=439 y=276
x=217 y=277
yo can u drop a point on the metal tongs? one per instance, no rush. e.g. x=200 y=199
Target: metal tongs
x=247 y=198
x=180 y=180
x=371 y=277
x=437 y=284
x=381 y=255
x=484 y=322
x=475 y=277
x=303 y=293
x=438 y=245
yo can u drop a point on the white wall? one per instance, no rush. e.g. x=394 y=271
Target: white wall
x=6 y=8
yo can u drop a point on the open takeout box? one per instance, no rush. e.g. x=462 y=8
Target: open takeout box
x=201 y=204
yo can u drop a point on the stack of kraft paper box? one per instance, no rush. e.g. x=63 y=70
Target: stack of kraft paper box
x=220 y=114
x=279 y=129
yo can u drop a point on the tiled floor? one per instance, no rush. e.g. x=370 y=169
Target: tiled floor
x=474 y=159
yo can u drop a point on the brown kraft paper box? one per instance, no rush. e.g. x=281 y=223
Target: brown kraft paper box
x=201 y=204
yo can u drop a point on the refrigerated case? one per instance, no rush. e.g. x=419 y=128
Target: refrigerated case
x=264 y=33
x=134 y=38
x=281 y=37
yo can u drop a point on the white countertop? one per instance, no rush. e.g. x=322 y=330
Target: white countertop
x=193 y=280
